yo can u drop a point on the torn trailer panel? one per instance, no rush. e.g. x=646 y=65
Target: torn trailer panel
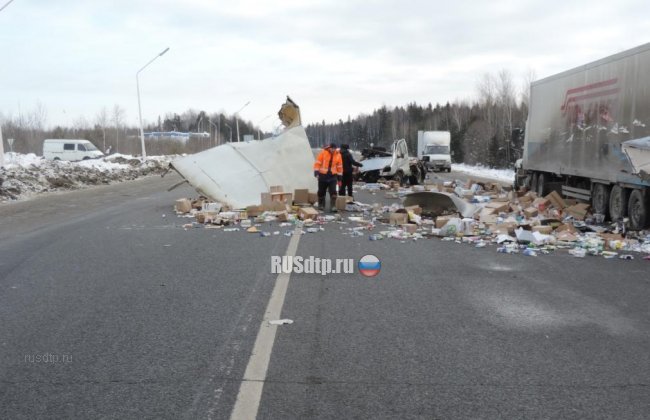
x=236 y=174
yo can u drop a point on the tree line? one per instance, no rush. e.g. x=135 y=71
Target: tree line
x=486 y=131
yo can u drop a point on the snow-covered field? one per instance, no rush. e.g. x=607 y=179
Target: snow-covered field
x=504 y=175
x=24 y=175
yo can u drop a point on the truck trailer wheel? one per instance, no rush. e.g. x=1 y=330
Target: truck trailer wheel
x=533 y=182
x=618 y=198
x=541 y=185
x=638 y=210
x=600 y=199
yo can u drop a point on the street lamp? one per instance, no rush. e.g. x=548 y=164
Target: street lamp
x=137 y=83
x=230 y=134
x=217 y=127
x=259 y=136
x=237 y=119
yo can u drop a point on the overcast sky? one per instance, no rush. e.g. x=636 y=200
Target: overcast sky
x=334 y=58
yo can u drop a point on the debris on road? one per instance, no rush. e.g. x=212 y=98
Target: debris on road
x=281 y=322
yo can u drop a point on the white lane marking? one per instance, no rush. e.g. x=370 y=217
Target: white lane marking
x=250 y=390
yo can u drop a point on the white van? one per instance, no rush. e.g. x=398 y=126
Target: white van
x=66 y=149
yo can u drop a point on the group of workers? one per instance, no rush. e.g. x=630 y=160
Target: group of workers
x=334 y=167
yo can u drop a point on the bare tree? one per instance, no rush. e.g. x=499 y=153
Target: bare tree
x=101 y=119
x=529 y=77
x=118 y=116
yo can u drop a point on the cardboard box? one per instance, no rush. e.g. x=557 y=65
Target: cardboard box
x=441 y=221
x=282 y=196
x=556 y=200
x=530 y=212
x=414 y=209
x=498 y=206
x=546 y=230
x=566 y=227
x=541 y=203
x=197 y=204
x=254 y=211
x=341 y=201
x=577 y=211
x=398 y=218
x=183 y=205
x=276 y=189
x=282 y=216
x=307 y=213
x=409 y=227
x=313 y=198
x=301 y=196
x=488 y=218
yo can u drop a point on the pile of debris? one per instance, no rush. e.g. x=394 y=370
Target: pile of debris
x=26 y=175
x=482 y=215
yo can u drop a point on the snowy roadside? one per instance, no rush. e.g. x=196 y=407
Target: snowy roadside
x=501 y=175
x=25 y=175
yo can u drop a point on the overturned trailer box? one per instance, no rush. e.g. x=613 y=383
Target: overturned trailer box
x=236 y=174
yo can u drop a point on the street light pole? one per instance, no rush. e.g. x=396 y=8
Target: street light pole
x=237 y=119
x=259 y=135
x=216 y=138
x=137 y=83
x=230 y=134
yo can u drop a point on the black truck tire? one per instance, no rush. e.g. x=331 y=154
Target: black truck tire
x=637 y=207
x=541 y=185
x=618 y=199
x=600 y=199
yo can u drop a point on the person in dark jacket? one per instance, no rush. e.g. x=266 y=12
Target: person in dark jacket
x=348 y=163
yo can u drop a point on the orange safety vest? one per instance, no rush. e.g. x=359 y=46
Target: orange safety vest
x=322 y=164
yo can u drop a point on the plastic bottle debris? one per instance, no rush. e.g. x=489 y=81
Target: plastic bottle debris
x=375 y=237
x=265 y=234
x=231 y=229
x=530 y=252
x=626 y=257
x=281 y=322
x=313 y=230
x=246 y=223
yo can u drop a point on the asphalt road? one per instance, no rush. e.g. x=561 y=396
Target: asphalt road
x=110 y=310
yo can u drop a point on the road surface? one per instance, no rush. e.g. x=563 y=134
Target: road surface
x=110 y=309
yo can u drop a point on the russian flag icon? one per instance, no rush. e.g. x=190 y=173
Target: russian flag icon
x=369 y=265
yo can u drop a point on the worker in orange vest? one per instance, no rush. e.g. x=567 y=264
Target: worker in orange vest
x=328 y=168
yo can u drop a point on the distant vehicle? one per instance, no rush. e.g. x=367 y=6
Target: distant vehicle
x=433 y=150
x=67 y=149
x=395 y=165
x=588 y=136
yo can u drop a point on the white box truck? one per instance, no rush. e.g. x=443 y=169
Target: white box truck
x=434 y=150
x=67 y=149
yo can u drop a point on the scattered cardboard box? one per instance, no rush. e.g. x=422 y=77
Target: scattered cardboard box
x=546 y=230
x=577 y=211
x=183 y=205
x=307 y=213
x=398 y=217
x=531 y=212
x=276 y=189
x=441 y=221
x=409 y=228
x=254 y=211
x=301 y=196
x=342 y=201
x=414 y=209
x=556 y=200
x=313 y=198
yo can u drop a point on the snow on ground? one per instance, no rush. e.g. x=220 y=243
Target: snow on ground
x=24 y=175
x=504 y=175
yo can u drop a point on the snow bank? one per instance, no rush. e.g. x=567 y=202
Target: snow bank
x=504 y=175
x=24 y=175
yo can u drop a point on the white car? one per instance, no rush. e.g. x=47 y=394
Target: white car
x=66 y=149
